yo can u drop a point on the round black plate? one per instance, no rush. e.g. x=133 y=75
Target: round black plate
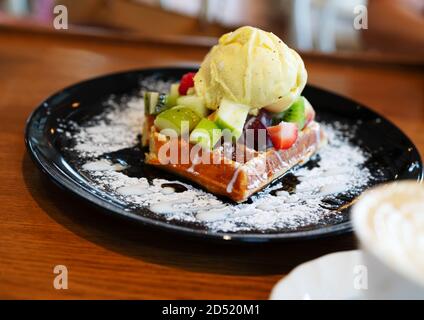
x=392 y=152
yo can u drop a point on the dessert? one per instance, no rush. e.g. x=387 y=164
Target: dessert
x=240 y=122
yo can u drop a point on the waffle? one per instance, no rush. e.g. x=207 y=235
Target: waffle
x=236 y=175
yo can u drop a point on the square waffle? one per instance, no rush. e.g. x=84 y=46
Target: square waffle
x=237 y=174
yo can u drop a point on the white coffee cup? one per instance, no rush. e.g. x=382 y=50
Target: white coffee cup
x=389 y=222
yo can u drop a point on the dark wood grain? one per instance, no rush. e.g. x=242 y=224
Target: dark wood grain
x=42 y=226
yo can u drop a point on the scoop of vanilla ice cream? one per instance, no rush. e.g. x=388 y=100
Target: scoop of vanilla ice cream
x=251 y=67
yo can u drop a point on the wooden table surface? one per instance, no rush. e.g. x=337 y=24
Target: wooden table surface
x=42 y=226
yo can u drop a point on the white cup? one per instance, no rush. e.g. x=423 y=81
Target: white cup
x=389 y=222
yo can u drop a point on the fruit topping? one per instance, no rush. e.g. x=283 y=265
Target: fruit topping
x=155 y=103
x=255 y=135
x=232 y=116
x=265 y=117
x=296 y=113
x=283 y=135
x=187 y=82
x=173 y=94
x=206 y=133
x=180 y=119
x=195 y=103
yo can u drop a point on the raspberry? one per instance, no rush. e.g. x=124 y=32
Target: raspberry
x=187 y=82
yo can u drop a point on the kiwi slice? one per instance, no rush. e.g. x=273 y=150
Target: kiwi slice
x=155 y=103
x=296 y=113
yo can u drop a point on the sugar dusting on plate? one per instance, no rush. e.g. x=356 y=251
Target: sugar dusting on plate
x=340 y=171
x=115 y=129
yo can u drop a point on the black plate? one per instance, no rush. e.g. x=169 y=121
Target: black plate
x=392 y=152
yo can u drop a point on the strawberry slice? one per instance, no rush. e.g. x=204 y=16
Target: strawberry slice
x=309 y=113
x=187 y=82
x=284 y=135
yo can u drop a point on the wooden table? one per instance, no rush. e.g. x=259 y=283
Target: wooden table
x=42 y=226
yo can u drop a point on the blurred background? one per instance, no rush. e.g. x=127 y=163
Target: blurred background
x=318 y=27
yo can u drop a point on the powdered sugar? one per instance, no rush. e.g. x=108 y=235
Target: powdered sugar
x=116 y=129
x=340 y=170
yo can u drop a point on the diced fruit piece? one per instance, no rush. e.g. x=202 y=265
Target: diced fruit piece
x=174 y=90
x=284 y=135
x=296 y=113
x=309 y=112
x=187 y=82
x=265 y=117
x=232 y=116
x=260 y=140
x=173 y=94
x=155 y=102
x=195 y=103
x=174 y=118
x=206 y=133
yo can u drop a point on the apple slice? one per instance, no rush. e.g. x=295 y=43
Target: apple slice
x=232 y=116
x=206 y=133
x=173 y=94
x=284 y=135
x=174 y=118
x=195 y=103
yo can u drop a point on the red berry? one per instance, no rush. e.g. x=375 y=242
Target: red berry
x=187 y=82
x=284 y=135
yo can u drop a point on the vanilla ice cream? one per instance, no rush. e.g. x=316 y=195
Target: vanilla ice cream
x=251 y=67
